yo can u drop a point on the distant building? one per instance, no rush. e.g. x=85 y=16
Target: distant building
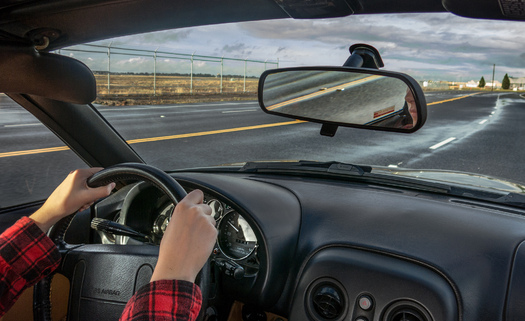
x=517 y=83
x=472 y=84
x=475 y=83
x=497 y=84
x=435 y=84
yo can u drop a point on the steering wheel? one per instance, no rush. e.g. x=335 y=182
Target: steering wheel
x=104 y=277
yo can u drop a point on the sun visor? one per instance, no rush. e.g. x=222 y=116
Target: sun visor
x=27 y=71
x=487 y=9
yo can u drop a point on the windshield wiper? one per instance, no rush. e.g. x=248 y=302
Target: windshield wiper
x=362 y=173
x=342 y=171
x=514 y=199
x=307 y=166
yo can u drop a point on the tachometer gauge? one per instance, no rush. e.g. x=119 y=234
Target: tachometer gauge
x=161 y=222
x=236 y=238
x=217 y=209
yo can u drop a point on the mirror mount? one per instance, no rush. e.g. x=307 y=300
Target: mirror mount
x=328 y=130
x=364 y=56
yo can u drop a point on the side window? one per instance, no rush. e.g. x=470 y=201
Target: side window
x=33 y=160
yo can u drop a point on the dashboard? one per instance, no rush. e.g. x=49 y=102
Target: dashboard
x=307 y=248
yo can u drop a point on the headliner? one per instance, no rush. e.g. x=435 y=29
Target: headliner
x=69 y=22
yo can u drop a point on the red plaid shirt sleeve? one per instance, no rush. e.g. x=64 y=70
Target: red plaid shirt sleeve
x=164 y=300
x=26 y=256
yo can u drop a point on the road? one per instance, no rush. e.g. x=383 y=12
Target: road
x=309 y=93
x=481 y=133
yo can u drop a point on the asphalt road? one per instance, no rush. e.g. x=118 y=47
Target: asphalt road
x=480 y=133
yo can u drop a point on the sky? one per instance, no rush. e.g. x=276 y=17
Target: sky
x=426 y=46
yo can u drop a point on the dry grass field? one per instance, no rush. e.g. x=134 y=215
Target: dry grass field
x=170 y=85
x=132 y=89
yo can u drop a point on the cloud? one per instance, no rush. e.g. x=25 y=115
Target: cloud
x=238 y=47
x=199 y=64
x=133 y=61
x=424 y=44
x=443 y=40
x=239 y=50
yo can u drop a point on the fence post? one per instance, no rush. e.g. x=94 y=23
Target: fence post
x=191 y=74
x=155 y=72
x=109 y=66
x=245 y=62
x=222 y=69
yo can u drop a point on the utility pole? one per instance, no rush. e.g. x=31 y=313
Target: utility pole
x=493 y=72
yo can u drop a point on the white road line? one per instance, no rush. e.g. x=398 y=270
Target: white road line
x=483 y=121
x=237 y=111
x=392 y=166
x=446 y=141
x=23 y=125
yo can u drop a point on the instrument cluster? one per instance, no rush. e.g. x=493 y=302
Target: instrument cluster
x=236 y=239
x=146 y=213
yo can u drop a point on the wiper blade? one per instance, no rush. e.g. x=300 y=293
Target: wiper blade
x=514 y=199
x=308 y=166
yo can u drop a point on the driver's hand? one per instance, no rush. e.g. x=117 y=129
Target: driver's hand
x=188 y=240
x=70 y=196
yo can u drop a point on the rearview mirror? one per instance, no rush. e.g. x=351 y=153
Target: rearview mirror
x=342 y=96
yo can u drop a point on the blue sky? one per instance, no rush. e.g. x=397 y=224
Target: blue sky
x=425 y=46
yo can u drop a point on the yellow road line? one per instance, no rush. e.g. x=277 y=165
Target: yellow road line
x=34 y=151
x=155 y=139
x=211 y=132
x=452 y=99
x=323 y=92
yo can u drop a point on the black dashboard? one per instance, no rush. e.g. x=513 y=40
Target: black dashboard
x=324 y=249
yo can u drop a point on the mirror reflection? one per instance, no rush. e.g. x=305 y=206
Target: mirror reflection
x=341 y=96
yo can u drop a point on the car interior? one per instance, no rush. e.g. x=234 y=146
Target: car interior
x=309 y=241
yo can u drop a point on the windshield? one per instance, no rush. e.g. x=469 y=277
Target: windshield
x=188 y=98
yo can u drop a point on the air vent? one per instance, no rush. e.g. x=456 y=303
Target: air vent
x=406 y=311
x=326 y=300
x=407 y=315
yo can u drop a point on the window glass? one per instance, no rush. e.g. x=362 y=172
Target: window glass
x=33 y=160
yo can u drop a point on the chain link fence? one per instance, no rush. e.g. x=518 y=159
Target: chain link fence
x=128 y=71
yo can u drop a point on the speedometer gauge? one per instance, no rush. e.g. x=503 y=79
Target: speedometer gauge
x=236 y=238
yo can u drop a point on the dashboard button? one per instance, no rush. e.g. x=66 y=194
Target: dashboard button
x=365 y=302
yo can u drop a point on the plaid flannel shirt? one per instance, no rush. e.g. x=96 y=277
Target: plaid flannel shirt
x=28 y=255
x=164 y=300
